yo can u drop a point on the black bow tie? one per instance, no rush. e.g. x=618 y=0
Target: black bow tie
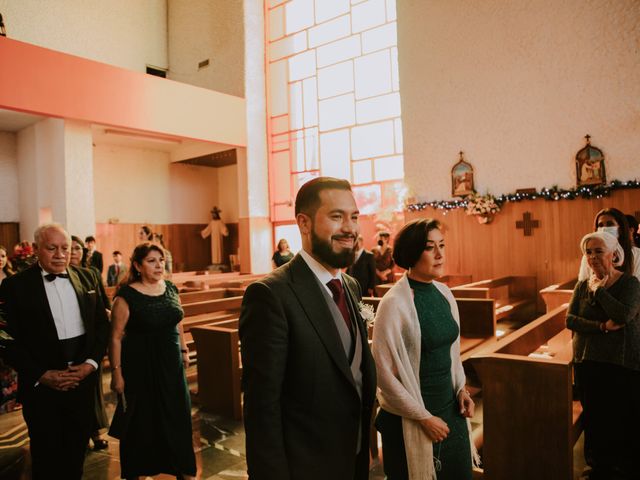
x=50 y=277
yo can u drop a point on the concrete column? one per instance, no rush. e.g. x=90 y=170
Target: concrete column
x=55 y=176
x=253 y=173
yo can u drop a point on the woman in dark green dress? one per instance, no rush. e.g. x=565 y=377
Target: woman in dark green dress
x=282 y=255
x=416 y=345
x=148 y=358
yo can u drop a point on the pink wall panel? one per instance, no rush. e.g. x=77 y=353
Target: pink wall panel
x=45 y=82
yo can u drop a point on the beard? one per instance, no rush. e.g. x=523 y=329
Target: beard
x=325 y=253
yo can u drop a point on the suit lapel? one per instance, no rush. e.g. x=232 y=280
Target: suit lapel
x=306 y=288
x=354 y=308
x=37 y=286
x=368 y=366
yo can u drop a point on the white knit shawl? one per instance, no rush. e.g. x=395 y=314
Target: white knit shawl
x=396 y=350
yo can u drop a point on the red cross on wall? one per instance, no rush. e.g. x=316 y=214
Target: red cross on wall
x=528 y=224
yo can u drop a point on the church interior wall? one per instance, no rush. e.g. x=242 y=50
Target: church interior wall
x=131 y=185
x=41 y=174
x=207 y=30
x=193 y=191
x=228 y=193
x=516 y=86
x=134 y=185
x=118 y=32
x=8 y=178
x=551 y=253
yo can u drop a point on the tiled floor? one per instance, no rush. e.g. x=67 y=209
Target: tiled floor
x=219 y=449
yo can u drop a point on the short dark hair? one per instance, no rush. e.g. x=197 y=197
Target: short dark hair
x=308 y=197
x=90 y=238
x=411 y=241
x=116 y=252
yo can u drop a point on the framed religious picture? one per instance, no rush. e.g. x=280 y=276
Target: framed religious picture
x=461 y=178
x=590 y=169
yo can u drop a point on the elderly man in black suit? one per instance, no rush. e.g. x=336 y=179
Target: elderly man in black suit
x=308 y=375
x=59 y=329
x=364 y=268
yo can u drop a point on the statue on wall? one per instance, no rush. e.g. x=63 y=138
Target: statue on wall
x=216 y=230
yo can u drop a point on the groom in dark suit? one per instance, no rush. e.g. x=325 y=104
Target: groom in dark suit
x=308 y=375
x=55 y=315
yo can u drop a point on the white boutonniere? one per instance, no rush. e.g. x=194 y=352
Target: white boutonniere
x=366 y=312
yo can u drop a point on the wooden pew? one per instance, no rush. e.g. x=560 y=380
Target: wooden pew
x=531 y=421
x=212 y=306
x=477 y=323
x=477 y=320
x=209 y=294
x=556 y=295
x=210 y=312
x=455 y=280
x=214 y=280
x=515 y=296
x=452 y=280
x=220 y=370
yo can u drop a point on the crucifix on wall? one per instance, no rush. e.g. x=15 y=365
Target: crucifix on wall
x=527 y=224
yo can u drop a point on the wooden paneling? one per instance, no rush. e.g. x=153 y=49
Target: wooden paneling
x=190 y=251
x=498 y=249
x=10 y=235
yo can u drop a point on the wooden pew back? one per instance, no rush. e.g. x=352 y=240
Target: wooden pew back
x=219 y=368
x=530 y=419
x=217 y=305
x=556 y=295
x=451 y=280
x=514 y=295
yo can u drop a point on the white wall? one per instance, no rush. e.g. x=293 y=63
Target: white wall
x=193 y=192
x=125 y=33
x=228 y=193
x=136 y=185
x=54 y=175
x=131 y=185
x=207 y=29
x=517 y=85
x=79 y=196
x=8 y=178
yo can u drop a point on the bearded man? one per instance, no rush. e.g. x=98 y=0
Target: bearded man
x=308 y=374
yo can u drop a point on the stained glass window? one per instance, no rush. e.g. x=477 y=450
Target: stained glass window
x=333 y=100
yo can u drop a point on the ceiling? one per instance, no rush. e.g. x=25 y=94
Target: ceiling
x=11 y=121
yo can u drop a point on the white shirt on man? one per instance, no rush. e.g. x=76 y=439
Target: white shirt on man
x=65 y=309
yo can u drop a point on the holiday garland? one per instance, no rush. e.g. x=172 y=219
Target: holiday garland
x=551 y=194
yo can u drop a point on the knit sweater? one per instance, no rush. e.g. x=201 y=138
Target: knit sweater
x=620 y=303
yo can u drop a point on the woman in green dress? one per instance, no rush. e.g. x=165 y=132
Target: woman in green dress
x=416 y=346
x=148 y=356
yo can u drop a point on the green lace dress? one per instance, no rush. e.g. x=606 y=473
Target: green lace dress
x=438 y=331
x=155 y=430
